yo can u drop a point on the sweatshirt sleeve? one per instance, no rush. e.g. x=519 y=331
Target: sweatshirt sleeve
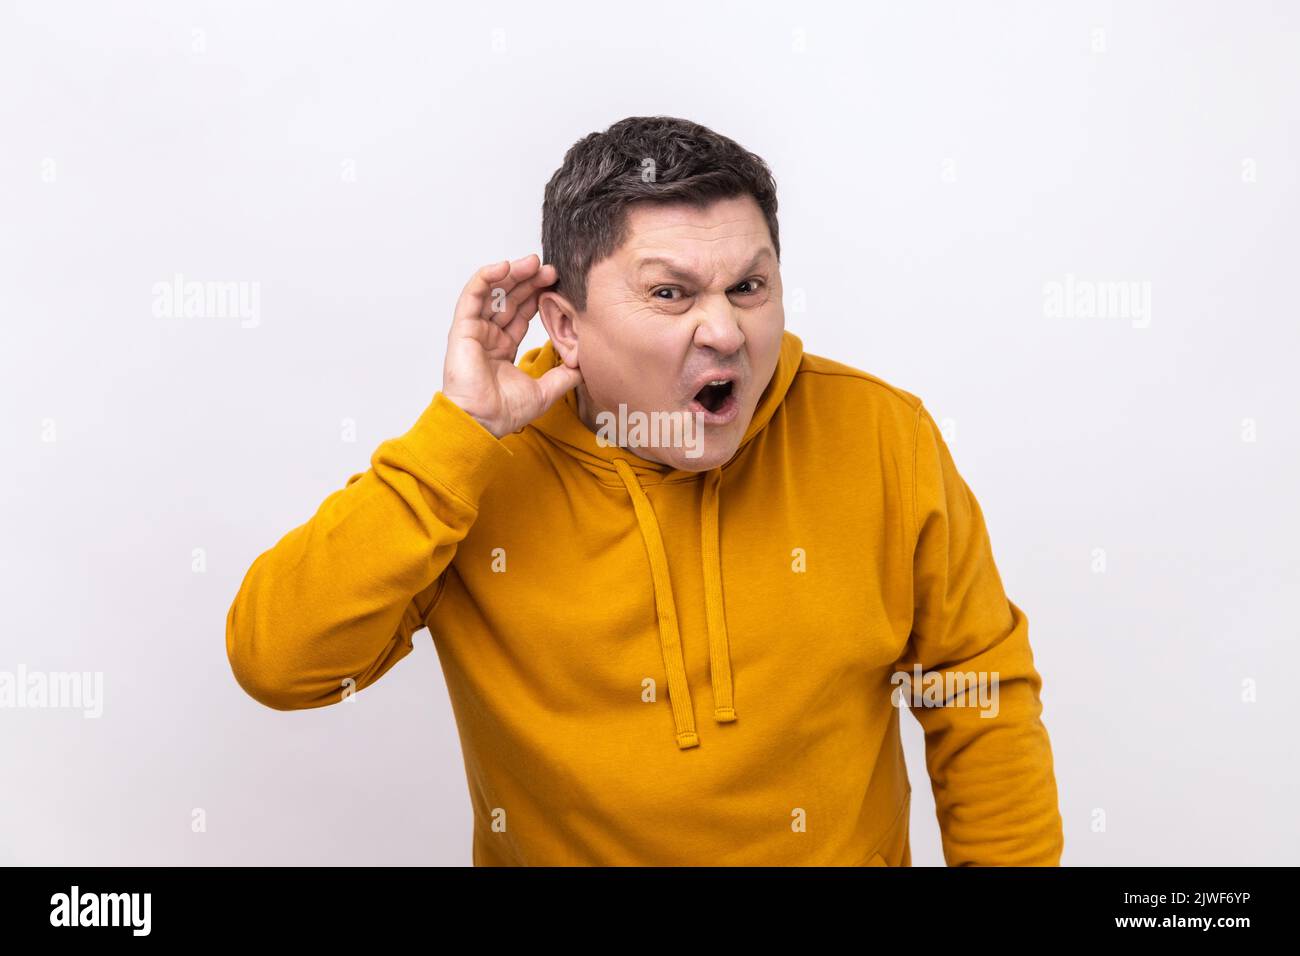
x=989 y=758
x=341 y=596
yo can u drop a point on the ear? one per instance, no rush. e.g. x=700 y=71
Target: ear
x=560 y=319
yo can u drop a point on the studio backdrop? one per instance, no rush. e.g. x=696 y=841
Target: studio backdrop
x=1072 y=229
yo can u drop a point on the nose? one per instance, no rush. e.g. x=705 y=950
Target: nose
x=719 y=329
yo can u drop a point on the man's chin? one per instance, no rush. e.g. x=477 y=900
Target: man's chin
x=682 y=439
x=712 y=446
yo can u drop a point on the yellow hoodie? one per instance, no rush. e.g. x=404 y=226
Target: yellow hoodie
x=656 y=667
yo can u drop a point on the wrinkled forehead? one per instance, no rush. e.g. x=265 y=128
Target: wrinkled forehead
x=690 y=269
x=692 y=243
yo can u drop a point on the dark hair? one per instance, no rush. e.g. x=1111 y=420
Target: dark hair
x=659 y=159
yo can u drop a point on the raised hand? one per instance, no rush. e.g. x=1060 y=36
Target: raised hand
x=490 y=320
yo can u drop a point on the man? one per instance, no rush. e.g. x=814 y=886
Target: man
x=683 y=651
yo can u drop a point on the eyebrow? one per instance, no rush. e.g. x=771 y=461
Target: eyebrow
x=675 y=270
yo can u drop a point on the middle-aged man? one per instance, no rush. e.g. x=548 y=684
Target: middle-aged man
x=681 y=575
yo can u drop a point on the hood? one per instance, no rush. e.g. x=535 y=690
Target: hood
x=563 y=428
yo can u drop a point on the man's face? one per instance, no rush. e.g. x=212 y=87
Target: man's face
x=693 y=295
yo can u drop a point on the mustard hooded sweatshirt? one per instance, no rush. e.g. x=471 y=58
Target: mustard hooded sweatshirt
x=658 y=667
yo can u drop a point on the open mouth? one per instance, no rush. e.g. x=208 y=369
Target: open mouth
x=714 y=395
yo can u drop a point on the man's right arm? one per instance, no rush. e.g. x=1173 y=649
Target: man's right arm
x=339 y=597
x=334 y=604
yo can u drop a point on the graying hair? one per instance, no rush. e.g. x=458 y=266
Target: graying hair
x=655 y=159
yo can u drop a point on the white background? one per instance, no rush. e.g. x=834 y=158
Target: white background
x=937 y=164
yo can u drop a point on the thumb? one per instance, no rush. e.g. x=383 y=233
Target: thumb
x=556 y=382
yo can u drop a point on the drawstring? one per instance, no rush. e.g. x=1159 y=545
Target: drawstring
x=679 y=692
x=719 y=649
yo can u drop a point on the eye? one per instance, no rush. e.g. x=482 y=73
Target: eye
x=758 y=282
x=667 y=288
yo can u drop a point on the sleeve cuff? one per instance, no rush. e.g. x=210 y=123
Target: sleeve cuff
x=454 y=449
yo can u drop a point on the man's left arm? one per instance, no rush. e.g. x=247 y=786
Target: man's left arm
x=987 y=751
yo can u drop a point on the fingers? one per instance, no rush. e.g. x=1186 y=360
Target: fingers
x=473 y=300
x=517 y=328
x=503 y=307
x=498 y=318
x=495 y=291
x=498 y=302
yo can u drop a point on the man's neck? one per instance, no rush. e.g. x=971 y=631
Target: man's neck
x=585 y=415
